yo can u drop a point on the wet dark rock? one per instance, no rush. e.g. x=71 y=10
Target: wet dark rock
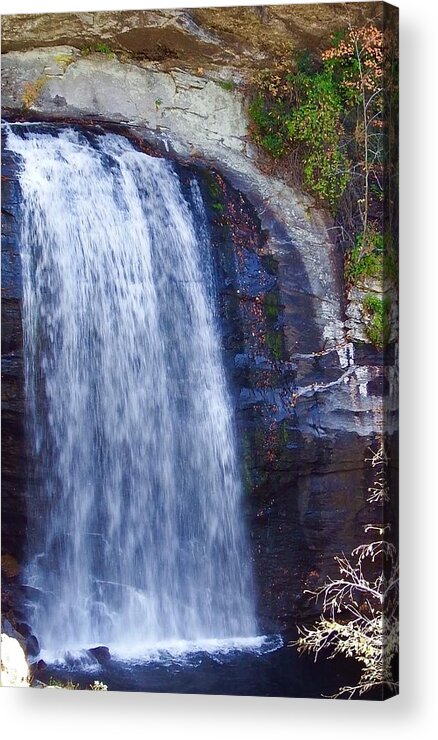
x=100 y=653
x=32 y=646
x=24 y=629
x=10 y=631
x=14 y=452
x=36 y=670
x=34 y=595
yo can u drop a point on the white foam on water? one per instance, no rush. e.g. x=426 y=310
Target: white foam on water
x=180 y=652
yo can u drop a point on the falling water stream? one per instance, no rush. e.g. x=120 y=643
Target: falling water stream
x=136 y=537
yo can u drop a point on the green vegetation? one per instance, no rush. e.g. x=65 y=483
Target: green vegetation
x=227 y=84
x=376 y=310
x=158 y=103
x=315 y=124
x=214 y=188
x=100 y=48
x=322 y=117
x=103 y=48
x=274 y=343
x=365 y=260
x=312 y=124
x=371 y=257
x=269 y=126
x=327 y=110
x=216 y=194
x=271 y=306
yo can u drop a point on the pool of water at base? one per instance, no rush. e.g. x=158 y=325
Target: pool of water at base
x=280 y=673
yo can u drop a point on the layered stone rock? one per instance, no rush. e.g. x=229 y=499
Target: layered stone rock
x=241 y=36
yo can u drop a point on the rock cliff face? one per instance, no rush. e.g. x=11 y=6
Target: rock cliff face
x=308 y=389
x=243 y=37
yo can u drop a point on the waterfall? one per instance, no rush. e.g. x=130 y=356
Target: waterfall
x=136 y=533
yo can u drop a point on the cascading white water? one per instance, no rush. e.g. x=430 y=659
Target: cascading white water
x=137 y=539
